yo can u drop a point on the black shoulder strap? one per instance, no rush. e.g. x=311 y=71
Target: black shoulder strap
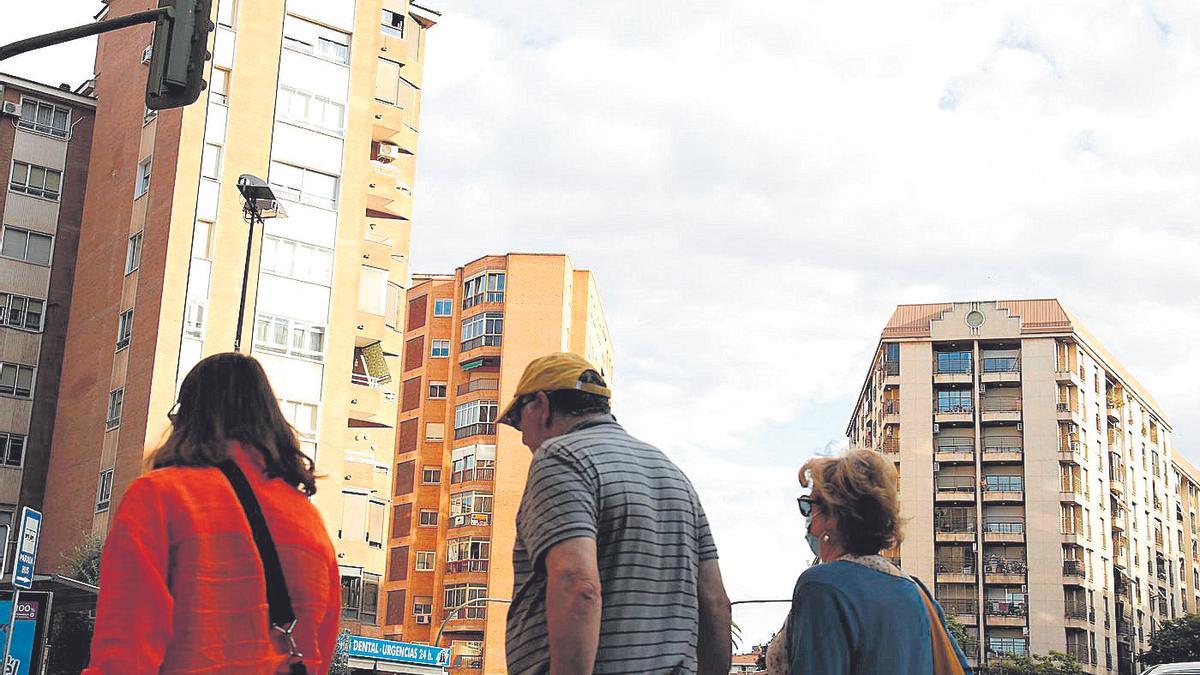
x=278 y=600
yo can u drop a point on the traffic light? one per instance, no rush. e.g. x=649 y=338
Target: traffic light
x=178 y=54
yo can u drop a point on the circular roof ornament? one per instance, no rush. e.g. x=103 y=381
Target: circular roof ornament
x=975 y=318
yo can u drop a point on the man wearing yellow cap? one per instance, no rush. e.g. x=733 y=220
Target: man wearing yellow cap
x=614 y=567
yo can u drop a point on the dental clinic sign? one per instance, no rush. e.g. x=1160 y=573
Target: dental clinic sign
x=403 y=652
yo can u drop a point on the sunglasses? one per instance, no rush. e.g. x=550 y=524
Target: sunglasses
x=806 y=504
x=515 y=415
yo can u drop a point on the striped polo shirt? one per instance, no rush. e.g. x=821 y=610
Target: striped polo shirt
x=651 y=535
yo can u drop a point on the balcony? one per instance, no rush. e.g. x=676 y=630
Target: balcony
x=1116 y=479
x=947 y=411
x=1002 y=646
x=480 y=341
x=1074 y=569
x=478 y=385
x=1071 y=492
x=954 y=488
x=997 y=409
x=1068 y=410
x=390 y=125
x=1075 y=609
x=466 y=566
x=1070 y=451
x=955 y=571
x=952 y=368
x=954 y=450
x=889 y=369
x=1003 y=449
x=890 y=446
x=1000 y=570
x=1009 y=530
x=1003 y=489
x=387 y=193
x=468 y=475
x=477 y=429
x=964 y=609
x=1005 y=612
x=1080 y=651
x=470 y=520
x=954 y=524
x=1001 y=369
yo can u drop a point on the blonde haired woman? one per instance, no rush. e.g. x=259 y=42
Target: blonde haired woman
x=855 y=611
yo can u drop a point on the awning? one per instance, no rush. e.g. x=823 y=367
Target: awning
x=381 y=666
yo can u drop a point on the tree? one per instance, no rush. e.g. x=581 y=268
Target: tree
x=958 y=632
x=70 y=638
x=340 y=663
x=1056 y=663
x=1177 y=640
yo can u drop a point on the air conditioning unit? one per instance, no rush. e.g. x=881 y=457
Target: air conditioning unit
x=10 y=108
x=146 y=53
x=388 y=152
x=422 y=619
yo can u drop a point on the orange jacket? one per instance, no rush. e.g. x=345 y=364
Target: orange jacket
x=181 y=583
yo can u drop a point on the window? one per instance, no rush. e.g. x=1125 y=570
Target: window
x=437 y=390
x=148 y=115
x=424 y=564
x=954 y=401
x=393 y=89
x=193 y=319
x=470 y=508
x=297 y=260
x=16 y=380
x=311 y=110
x=393 y=23
x=304 y=185
x=375 y=519
x=116 y=400
x=133 y=253
x=124 y=329
x=429 y=518
x=487 y=287
x=372 y=290
x=45 y=118
x=226 y=12
x=289 y=336
x=25 y=245
x=439 y=348
x=219 y=86
x=475 y=462
x=443 y=307
x=1002 y=483
x=302 y=417
x=142 y=184
x=431 y=475
x=468 y=554
x=475 y=417
x=18 y=311
x=210 y=161
x=360 y=597
x=482 y=330
x=309 y=38
x=36 y=181
x=104 y=491
x=892 y=352
x=423 y=604
x=954 y=362
x=12 y=449
x=435 y=431
x=202 y=239
x=457 y=595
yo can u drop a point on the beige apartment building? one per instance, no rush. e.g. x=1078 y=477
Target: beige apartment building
x=45 y=140
x=458 y=476
x=1045 y=498
x=320 y=98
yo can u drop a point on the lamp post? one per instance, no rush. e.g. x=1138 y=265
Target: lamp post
x=260 y=204
x=437 y=641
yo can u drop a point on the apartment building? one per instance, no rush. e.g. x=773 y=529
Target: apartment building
x=458 y=476
x=1037 y=474
x=1187 y=478
x=45 y=141
x=319 y=98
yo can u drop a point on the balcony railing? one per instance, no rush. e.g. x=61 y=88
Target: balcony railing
x=464 y=566
x=1005 y=608
x=1001 y=405
x=964 y=484
x=890 y=446
x=997 y=444
x=890 y=368
x=1001 y=364
x=1007 y=646
x=954 y=522
x=478 y=385
x=468 y=519
x=960 y=606
x=960 y=366
x=1075 y=609
x=477 y=429
x=1079 y=651
x=472 y=612
x=1073 y=568
x=954 y=566
x=1065 y=406
x=1004 y=526
x=1001 y=565
x=891 y=406
x=1003 y=484
x=953 y=407
x=365 y=380
x=481 y=341
x=472 y=474
x=955 y=446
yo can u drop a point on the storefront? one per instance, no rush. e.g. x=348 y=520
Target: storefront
x=370 y=655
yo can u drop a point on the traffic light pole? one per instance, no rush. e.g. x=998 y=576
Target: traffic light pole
x=68 y=34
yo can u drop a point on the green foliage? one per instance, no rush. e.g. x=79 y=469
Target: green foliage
x=958 y=631
x=340 y=664
x=70 y=637
x=82 y=563
x=1056 y=663
x=1177 y=640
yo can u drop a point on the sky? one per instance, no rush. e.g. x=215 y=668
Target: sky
x=756 y=186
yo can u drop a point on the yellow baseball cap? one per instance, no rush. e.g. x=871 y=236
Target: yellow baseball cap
x=553 y=372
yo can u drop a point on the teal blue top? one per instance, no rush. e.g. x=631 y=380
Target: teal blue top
x=849 y=619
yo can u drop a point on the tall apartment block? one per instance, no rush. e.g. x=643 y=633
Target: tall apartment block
x=459 y=477
x=320 y=99
x=1044 y=497
x=45 y=140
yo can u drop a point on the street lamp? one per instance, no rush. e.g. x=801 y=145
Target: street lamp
x=449 y=615
x=260 y=204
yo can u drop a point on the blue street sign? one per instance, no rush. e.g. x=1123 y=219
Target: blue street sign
x=27 y=545
x=20 y=654
x=403 y=652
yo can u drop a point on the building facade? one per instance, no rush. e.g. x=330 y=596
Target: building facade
x=320 y=98
x=458 y=475
x=45 y=141
x=1038 y=477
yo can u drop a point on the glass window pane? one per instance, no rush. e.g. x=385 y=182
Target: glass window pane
x=39 y=249
x=53 y=180
x=37 y=176
x=14 y=244
x=60 y=119
x=20 y=173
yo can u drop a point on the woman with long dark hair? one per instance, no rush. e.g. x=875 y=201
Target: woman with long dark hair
x=182 y=579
